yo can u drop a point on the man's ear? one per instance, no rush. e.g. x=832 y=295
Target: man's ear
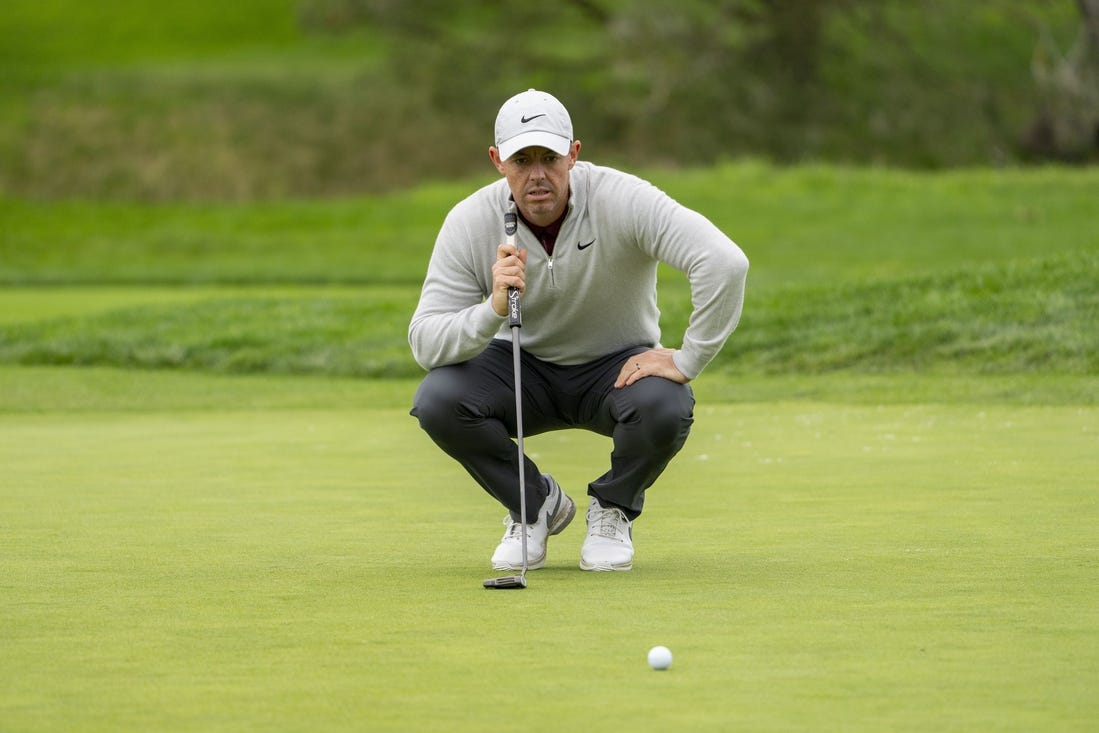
x=574 y=153
x=494 y=156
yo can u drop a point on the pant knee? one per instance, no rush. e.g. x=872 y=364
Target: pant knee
x=436 y=404
x=664 y=410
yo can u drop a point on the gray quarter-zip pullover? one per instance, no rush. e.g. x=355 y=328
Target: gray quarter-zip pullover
x=596 y=294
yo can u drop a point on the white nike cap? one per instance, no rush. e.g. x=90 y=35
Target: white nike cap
x=533 y=118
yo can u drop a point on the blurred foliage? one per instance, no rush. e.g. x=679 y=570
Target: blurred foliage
x=276 y=98
x=920 y=82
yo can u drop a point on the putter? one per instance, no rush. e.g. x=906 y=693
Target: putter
x=515 y=320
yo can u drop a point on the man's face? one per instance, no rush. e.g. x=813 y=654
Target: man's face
x=539 y=180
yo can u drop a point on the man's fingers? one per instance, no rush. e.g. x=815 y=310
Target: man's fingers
x=509 y=271
x=652 y=363
x=509 y=250
x=631 y=371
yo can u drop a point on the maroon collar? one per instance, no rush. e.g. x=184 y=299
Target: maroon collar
x=547 y=235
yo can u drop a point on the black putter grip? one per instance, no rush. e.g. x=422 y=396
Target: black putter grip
x=515 y=312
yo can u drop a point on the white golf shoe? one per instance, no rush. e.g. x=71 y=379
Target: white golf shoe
x=609 y=544
x=556 y=513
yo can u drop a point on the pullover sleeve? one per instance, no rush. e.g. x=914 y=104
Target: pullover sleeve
x=716 y=269
x=454 y=320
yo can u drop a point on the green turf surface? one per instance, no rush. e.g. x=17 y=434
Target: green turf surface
x=246 y=563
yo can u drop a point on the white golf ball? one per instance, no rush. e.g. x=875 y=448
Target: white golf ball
x=660 y=657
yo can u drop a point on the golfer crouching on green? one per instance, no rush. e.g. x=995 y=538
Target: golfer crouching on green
x=585 y=262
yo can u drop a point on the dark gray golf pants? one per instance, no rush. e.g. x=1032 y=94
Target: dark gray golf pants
x=468 y=409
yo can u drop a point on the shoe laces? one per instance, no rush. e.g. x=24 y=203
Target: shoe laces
x=610 y=522
x=514 y=531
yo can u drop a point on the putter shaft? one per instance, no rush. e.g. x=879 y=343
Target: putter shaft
x=515 y=320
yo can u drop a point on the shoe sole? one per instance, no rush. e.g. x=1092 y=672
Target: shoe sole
x=561 y=520
x=605 y=567
x=530 y=565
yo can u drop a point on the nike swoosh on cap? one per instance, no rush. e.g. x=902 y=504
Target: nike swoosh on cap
x=525 y=120
x=584 y=246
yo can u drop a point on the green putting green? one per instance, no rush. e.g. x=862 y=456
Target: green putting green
x=809 y=563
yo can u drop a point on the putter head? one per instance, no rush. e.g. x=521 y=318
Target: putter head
x=508 y=581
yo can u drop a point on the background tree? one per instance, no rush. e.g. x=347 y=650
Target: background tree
x=1067 y=124
x=692 y=81
x=693 y=74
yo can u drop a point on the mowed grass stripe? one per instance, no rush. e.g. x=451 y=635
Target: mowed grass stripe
x=63 y=390
x=802 y=224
